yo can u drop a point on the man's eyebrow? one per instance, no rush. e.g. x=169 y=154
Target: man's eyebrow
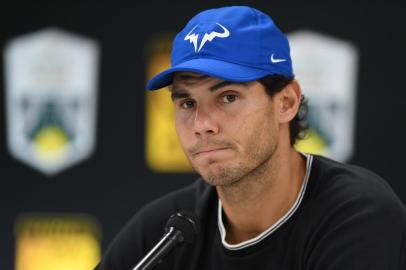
x=177 y=94
x=180 y=93
x=225 y=83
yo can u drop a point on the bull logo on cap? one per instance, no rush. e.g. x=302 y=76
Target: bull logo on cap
x=193 y=37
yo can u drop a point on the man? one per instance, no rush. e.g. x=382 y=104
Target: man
x=260 y=203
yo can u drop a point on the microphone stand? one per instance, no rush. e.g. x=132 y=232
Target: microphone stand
x=160 y=250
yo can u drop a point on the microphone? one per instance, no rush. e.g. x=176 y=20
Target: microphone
x=181 y=227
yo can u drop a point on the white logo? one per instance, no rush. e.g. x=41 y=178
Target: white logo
x=193 y=38
x=275 y=60
x=333 y=92
x=51 y=84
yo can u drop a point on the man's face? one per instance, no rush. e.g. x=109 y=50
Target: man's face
x=227 y=130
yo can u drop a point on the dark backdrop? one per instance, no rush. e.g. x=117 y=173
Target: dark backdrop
x=115 y=182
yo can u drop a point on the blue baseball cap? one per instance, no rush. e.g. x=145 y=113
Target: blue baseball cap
x=238 y=44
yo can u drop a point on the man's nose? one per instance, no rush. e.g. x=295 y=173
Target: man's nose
x=204 y=122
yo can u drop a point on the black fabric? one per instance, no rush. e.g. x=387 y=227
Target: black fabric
x=349 y=219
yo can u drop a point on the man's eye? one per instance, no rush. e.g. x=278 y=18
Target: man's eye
x=229 y=98
x=187 y=104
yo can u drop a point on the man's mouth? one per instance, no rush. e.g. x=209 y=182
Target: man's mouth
x=206 y=151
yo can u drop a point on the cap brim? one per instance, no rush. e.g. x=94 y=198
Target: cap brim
x=210 y=67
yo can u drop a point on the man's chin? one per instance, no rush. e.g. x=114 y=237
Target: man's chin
x=220 y=175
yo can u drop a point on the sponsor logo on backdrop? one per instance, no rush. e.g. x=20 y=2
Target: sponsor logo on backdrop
x=326 y=68
x=56 y=241
x=163 y=152
x=51 y=95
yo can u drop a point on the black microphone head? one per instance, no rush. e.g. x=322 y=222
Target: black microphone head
x=184 y=222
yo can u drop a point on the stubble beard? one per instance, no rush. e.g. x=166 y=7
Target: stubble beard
x=223 y=176
x=253 y=165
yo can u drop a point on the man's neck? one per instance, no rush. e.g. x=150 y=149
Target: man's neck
x=258 y=201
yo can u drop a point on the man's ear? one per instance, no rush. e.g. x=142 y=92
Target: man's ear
x=289 y=101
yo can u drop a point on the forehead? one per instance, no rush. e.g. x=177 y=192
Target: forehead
x=191 y=78
x=184 y=81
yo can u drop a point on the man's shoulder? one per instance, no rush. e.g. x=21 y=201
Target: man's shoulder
x=355 y=209
x=191 y=198
x=350 y=188
x=151 y=219
x=341 y=178
x=147 y=226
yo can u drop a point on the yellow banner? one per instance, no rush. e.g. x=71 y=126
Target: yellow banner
x=62 y=242
x=163 y=151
